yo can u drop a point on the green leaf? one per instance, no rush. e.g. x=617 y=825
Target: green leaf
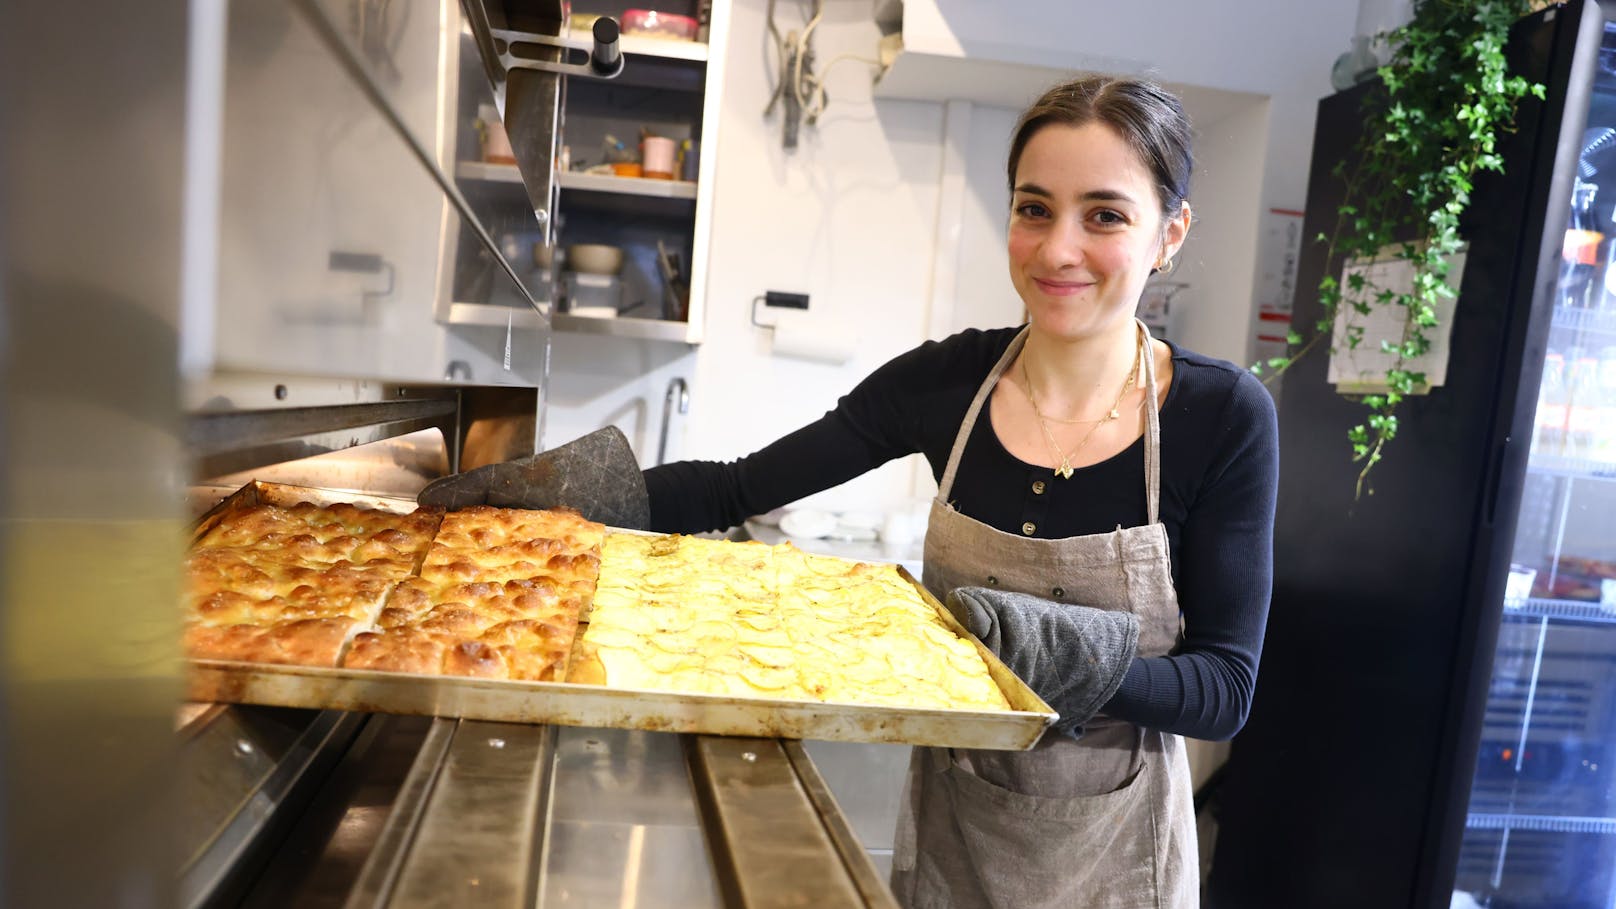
x=1448 y=99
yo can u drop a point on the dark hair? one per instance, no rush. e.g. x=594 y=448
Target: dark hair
x=1147 y=117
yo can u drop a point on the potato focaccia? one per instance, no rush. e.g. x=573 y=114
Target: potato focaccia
x=748 y=619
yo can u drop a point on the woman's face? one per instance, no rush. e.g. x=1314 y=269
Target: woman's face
x=1085 y=229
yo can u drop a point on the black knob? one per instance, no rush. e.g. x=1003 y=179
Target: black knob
x=606 y=58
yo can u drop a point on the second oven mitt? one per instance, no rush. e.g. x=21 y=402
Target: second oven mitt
x=597 y=474
x=1074 y=657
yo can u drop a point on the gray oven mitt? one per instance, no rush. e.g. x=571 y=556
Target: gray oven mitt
x=1074 y=657
x=596 y=474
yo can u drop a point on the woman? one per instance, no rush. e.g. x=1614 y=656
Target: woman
x=1103 y=521
x=1080 y=463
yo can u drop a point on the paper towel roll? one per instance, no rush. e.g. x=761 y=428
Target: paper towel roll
x=800 y=337
x=805 y=345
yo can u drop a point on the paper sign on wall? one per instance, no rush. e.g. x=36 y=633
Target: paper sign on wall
x=1279 y=254
x=1362 y=369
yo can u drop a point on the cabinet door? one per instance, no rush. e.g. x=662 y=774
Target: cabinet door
x=330 y=225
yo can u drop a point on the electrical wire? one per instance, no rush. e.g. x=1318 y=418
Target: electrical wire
x=798 y=88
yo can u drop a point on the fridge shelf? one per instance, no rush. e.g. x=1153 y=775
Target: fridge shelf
x=1578 y=468
x=1595 y=320
x=1543 y=823
x=1578 y=610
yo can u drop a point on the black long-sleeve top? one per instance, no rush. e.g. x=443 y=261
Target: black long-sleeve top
x=1219 y=469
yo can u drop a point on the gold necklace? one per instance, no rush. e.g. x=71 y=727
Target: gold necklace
x=1064 y=468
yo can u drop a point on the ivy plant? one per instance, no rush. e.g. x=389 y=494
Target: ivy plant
x=1433 y=121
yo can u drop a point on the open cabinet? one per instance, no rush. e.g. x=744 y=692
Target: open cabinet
x=668 y=88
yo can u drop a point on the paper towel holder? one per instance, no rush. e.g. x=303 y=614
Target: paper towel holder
x=777 y=298
x=793 y=341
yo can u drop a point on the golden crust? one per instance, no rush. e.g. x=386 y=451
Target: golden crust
x=293 y=584
x=307 y=642
x=325 y=533
x=498 y=596
x=397 y=650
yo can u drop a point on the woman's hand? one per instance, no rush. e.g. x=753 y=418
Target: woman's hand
x=596 y=474
x=1074 y=657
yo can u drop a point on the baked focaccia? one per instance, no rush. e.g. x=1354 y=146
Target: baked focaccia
x=294 y=584
x=302 y=642
x=484 y=543
x=311 y=534
x=499 y=596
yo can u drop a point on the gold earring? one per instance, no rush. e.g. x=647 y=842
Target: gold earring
x=1164 y=265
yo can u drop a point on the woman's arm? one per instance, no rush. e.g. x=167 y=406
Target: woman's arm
x=698 y=496
x=885 y=417
x=1225 y=579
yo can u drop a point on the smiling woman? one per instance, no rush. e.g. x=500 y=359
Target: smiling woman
x=1091 y=481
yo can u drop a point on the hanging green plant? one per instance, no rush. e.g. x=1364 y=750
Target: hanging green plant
x=1433 y=122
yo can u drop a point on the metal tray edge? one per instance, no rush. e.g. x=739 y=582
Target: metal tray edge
x=570 y=704
x=1022 y=698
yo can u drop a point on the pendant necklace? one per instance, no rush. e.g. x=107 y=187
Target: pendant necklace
x=1064 y=468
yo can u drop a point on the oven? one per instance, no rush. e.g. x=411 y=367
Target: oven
x=226 y=242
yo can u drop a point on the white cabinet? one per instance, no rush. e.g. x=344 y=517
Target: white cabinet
x=327 y=224
x=668 y=88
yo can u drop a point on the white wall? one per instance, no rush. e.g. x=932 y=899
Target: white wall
x=847 y=218
x=597 y=381
x=1250 y=72
x=876 y=213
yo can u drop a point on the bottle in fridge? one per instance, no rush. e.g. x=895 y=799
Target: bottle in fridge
x=1582 y=404
x=1580 y=252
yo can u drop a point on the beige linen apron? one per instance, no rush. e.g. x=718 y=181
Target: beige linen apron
x=1103 y=822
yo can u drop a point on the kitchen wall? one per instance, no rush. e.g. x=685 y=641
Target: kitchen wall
x=890 y=214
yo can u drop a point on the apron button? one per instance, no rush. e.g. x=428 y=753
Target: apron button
x=1058 y=592
x=993 y=581
x=1038 y=487
x=1028 y=528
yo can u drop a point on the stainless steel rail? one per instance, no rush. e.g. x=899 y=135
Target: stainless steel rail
x=768 y=839
x=259 y=767
x=428 y=813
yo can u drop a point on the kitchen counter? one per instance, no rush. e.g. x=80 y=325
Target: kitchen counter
x=908 y=555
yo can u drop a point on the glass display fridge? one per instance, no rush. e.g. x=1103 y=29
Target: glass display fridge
x=1540 y=829
x=1435 y=716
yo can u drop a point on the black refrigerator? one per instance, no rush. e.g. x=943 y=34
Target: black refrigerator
x=1435 y=715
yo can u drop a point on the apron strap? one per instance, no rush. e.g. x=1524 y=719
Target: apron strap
x=1152 y=433
x=1016 y=343
x=1152 y=422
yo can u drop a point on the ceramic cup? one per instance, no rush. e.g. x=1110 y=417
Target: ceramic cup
x=657 y=154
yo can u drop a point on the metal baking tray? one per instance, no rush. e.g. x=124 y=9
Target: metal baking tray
x=572 y=704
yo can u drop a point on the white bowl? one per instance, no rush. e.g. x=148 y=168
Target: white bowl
x=595 y=258
x=807 y=523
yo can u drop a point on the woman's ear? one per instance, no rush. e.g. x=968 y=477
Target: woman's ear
x=1174 y=232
